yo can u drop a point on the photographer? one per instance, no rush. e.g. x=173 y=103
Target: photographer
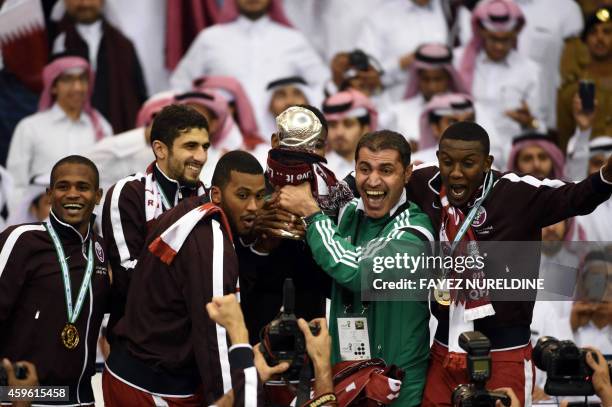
x=600 y=378
x=226 y=312
x=30 y=380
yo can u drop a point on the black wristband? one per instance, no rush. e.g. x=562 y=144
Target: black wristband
x=308 y=220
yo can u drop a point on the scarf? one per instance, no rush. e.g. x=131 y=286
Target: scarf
x=287 y=167
x=466 y=305
x=154 y=206
x=119 y=88
x=168 y=244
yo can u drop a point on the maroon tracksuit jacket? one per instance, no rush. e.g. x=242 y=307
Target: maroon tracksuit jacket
x=516 y=209
x=33 y=304
x=165 y=343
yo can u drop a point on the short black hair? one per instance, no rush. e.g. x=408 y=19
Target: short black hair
x=236 y=160
x=173 y=120
x=319 y=115
x=386 y=140
x=467 y=131
x=76 y=159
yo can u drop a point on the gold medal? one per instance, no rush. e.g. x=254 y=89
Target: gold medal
x=70 y=336
x=442 y=296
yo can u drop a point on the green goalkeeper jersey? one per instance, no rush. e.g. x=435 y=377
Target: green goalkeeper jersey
x=398 y=330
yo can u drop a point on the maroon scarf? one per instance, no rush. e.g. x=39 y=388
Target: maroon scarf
x=477 y=304
x=118 y=78
x=290 y=167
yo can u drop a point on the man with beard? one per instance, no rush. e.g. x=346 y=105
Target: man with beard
x=536 y=154
x=167 y=351
x=499 y=207
x=179 y=138
x=238 y=187
x=54 y=284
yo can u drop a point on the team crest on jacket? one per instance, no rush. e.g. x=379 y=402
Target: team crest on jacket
x=480 y=218
x=99 y=252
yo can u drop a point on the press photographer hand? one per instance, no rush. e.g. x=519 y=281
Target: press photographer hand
x=266 y=372
x=514 y=401
x=601 y=376
x=31 y=379
x=319 y=350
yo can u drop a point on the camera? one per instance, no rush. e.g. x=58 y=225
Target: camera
x=283 y=341
x=567 y=371
x=478 y=348
x=21 y=372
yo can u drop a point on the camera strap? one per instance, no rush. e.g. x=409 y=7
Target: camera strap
x=303 y=388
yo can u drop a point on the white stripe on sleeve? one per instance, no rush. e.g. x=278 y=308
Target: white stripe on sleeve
x=218 y=292
x=7 y=249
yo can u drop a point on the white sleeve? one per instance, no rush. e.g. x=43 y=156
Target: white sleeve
x=535 y=99
x=18 y=162
x=573 y=23
x=310 y=63
x=371 y=41
x=577 y=163
x=192 y=65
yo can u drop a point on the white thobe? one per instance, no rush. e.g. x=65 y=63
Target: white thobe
x=548 y=24
x=42 y=139
x=339 y=165
x=397 y=28
x=254 y=52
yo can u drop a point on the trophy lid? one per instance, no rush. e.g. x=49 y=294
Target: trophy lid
x=299 y=128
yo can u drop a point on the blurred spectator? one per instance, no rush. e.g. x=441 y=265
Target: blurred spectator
x=588 y=156
x=499 y=76
x=350 y=115
x=35 y=204
x=255 y=45
x=65 y=123
x=129 y=152
x=591 y=315
x=120 y=88
x=542 y=40
x=339 y=22
x=283 y=93
x=536 y=154
x=22 y=27
x=597 y=36
x=431 y=73
x=394 y=31
x=223 y=133
x=239 y=104
x=441 y=112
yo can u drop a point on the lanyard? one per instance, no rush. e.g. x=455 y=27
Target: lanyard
x=164 y=199
x=470 y=218
x=73 y=313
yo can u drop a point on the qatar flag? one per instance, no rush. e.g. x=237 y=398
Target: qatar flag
x=23 y=41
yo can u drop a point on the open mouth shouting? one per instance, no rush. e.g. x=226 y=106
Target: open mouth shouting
x=375 y=197
x=248 y=221
x=458 y=192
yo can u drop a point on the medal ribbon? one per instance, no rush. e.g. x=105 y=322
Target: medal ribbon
x=73 y=313
x=470 y=218
x=164 y=199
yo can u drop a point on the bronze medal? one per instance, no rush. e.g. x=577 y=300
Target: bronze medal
x=70 y=336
